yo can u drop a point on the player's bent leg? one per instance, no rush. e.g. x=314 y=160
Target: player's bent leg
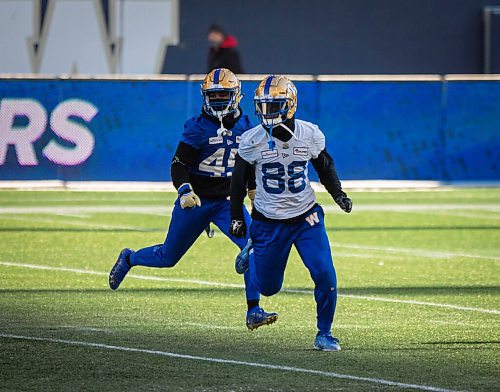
x=242 y=259
x=157 y=256
x=241 y=263
x=272 y=243
x=256 y=316
x=314 y=249
x=120 y=269
x=252 y=294
x=267 y=265
x=222 y=220
x=185 y=227
x=268 y=289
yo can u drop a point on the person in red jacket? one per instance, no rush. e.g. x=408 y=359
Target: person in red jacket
x=223 y=52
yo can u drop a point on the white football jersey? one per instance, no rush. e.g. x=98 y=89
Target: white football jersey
x=283 y=188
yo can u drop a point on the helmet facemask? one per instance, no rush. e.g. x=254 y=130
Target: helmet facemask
x=220 y=102
x=272 y=111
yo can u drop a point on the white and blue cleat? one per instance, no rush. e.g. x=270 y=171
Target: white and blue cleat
x=120 y=269
x=242 y=260
x=326 y=342
x=257 y=317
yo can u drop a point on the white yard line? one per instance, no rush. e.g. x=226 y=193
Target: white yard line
x=291 y=369
x=352 y=326
x=456 y=323
x=414 y=251
x=89 y=225
x=74 y=215
x=132 y=209
x=485 y=215
x=435 y=207
x=362 y=255
x=167 y=209
x=80 y=328
x=403 y=301
x=95 y=197
x=211 y=326
x=240 y=286
x=134 y=276
x=421 y=303
x=74 y=327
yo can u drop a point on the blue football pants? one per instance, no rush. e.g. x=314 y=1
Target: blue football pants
x=272 y=242
x=185 y=227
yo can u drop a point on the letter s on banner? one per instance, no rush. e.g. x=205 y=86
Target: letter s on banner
x=61 y=124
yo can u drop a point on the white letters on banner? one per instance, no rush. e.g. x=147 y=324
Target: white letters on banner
x=23 y=137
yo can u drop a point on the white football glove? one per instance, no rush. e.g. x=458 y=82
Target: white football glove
x=187 y=198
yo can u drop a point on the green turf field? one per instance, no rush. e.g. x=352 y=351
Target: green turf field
x=419 y=284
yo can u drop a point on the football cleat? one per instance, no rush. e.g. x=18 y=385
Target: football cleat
x=326 y=342
x=257 y=317
x=242 y=260
x=119 y=270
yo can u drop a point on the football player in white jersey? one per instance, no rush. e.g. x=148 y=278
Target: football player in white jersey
x=285 y=211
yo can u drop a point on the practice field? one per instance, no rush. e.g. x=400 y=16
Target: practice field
x=419 y=305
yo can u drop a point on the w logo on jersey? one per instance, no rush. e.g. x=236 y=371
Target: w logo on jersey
x=312 y=219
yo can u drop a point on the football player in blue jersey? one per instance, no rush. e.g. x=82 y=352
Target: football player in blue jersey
x=285 y=211
x=201 y=172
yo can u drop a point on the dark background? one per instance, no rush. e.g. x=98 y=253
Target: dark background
x=338 y=36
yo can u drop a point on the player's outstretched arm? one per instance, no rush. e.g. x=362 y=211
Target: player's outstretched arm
x=327 y=174
x=239 y=180
x=184 y=157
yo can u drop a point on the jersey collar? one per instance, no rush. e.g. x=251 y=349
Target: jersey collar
x=280 y=133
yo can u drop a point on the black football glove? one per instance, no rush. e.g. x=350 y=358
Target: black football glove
x=344 y=202
x=238 y=228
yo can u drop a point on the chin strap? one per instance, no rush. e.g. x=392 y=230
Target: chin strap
x=221 y=131
x=271 y=142
x=289 y=130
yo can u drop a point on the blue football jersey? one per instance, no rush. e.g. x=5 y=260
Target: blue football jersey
x=217 y=153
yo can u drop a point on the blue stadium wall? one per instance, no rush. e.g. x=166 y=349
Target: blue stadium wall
x=412 y=130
